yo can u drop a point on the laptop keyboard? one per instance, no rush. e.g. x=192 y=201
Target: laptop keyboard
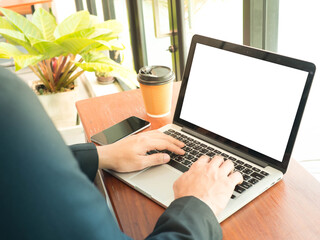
x=195 y=149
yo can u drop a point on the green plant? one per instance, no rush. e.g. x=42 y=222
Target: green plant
x=103 y=74
x=55 y=51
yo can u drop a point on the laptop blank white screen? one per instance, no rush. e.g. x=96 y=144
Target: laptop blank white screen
x=249 y=101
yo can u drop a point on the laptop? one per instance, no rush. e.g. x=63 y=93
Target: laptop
x=239 y=102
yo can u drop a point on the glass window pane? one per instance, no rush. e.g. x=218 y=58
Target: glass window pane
x=122 y=16
x=298 y=29
x=157 y=47
x=99 y=10
x=221 y=19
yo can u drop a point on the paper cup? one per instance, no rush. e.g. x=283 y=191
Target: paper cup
x=156 y=87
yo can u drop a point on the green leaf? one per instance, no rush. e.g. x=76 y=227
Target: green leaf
x=112 y=45
x=4 y=23
x=113 y=25
x=84 y=33
x=74 y=23
x=17 y=38
x=92 y=47
x=95 y=57
x=101 y=45
x=101 y=33
x=33 y=40
x=50 y=49
x=116 y=45
x=13 y=35
x=113 y=28
x=95 y=67
x=75 y=45
x=94 y=20
x=127 y=75
x=45 y=22
x=105 y=37
x=8 y=50
x=26 y=60
x=23 y=24
x=109 y=66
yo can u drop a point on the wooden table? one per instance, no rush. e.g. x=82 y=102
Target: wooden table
x=22 y=7
x=289 y=210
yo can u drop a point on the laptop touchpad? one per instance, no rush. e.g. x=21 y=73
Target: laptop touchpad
x=157 y=182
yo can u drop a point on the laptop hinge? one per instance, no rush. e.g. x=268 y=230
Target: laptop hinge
x=225 y=147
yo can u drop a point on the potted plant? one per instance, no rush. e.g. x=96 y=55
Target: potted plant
x=104 y=78
x=59 y=53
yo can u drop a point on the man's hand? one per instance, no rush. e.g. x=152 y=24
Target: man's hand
x=129 y=154
x=212 y=181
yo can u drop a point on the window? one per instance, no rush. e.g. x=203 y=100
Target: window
x=299 y=38
x=221 y=19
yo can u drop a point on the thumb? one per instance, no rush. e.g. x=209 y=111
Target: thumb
x=156 y=159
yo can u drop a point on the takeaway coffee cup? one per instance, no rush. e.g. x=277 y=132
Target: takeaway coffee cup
x=156 y=87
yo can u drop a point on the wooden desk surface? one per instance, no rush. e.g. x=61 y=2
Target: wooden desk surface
x=289 y=210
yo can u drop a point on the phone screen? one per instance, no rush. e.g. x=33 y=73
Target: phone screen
x=120 y=130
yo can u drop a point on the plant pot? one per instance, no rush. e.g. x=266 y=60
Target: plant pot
x=61 y=107
x=105 y=80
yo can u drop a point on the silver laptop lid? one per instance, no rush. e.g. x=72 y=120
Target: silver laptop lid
x=245 y=100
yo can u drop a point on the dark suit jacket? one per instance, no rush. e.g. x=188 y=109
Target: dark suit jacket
x=45 y=187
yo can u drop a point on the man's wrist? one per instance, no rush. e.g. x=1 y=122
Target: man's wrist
x=103 y=157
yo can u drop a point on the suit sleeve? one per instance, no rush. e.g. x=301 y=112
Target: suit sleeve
x=87 y=156
x=187 y=218
x=44 y=193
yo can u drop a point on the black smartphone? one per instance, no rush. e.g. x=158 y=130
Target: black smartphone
x=120 y=130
